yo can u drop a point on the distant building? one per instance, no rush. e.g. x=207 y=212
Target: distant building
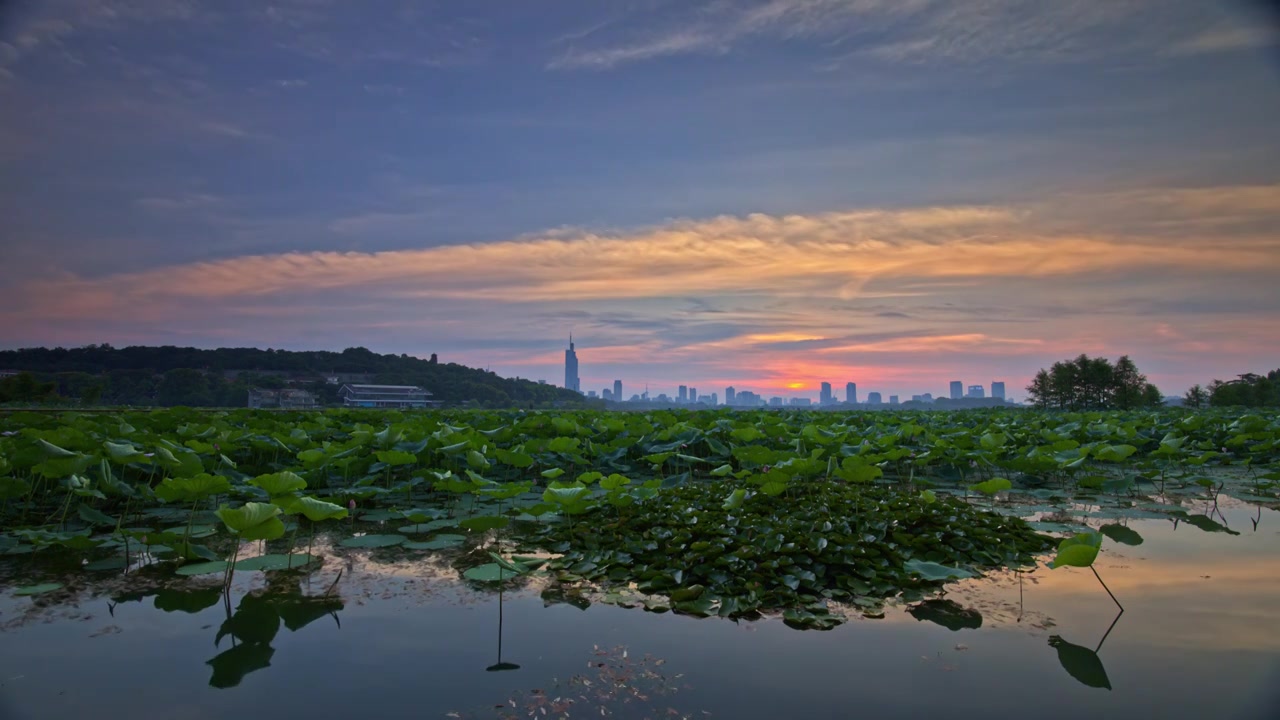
x=851 y=393
x=693 y=395
x=824 y=396
x=385 y=396
x=925 y=398
x=607 y=394
x=802 y=402
x=282 y=399
x=997 y=390
x=617 y=390
x=957 y=389
x=683 y=393
x=893 y=399
x=976 y=391
x=873 y=398
x=729 y=394
x=746 y=398
x=591 y=393
x=715 y=399
x=571 y=381
x=775 y=401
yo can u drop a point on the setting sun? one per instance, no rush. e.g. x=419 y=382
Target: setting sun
x=796 y=386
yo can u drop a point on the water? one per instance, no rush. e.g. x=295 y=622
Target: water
x=1198 y=638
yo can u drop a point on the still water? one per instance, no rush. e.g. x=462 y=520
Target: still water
x=1199 y=637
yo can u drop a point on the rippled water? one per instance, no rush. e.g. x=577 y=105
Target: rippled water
x=1199 y=637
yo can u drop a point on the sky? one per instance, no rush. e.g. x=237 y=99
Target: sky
x=758 y=193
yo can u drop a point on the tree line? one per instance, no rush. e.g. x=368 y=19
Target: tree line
x=1247 y=390
x=169 y=376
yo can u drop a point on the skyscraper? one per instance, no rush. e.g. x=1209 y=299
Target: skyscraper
x=957 y=389
x=729 y=394
x=873 y=398
x=825 y=397
x=851 y=393
x=571 y=368
x=997 y=390
x=976 y=391
x=693 y=394
x=893 y=399
x=683 y=390
x=617 y=391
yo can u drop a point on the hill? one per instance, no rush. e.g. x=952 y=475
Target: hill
x=168 y=375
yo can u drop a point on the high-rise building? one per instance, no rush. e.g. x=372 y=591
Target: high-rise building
x=957 y=389
x=729 y=395
x=976 y=391
x=715 y=399
x=591 y=393
x=824 y=396
x=873 y=398
x=775 y=401
x=617 y=390
x=571 y=368
x=997 y=390
x=851 y=393
x=683 y=392
x=893 y=399
x=693 y=395
x=607 y=394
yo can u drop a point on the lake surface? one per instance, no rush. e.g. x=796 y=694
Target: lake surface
x=1199 y=637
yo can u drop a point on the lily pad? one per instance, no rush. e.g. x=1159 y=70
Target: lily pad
x=40 y=589
x=373 y=541
x=936 y=572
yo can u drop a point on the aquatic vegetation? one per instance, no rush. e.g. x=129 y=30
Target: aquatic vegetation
x=707 y=513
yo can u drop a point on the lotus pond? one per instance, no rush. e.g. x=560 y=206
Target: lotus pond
x=639 y=565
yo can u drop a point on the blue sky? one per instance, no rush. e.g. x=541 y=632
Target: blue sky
x=754 y=193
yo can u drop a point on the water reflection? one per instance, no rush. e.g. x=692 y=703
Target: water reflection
x=1082 y=663
x=500 y=666
x=251 y=626
x=947 y=613
x=255 y=623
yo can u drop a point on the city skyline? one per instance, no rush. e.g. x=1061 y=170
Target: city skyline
x=766 y=194
x=688 y=394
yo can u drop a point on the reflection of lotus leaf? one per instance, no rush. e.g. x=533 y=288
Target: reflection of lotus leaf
x=947 y=613
x=230 y=667
x=1081 y=663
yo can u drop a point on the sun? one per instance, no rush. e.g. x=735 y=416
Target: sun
x=795 y=386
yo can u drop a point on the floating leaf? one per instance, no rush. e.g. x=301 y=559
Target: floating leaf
x=373 y=541
x=40 y=589
x=935 y=572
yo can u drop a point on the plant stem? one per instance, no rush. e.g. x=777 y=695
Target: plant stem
x=1104 y=587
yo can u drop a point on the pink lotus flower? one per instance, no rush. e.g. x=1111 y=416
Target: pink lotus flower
x=351 y=504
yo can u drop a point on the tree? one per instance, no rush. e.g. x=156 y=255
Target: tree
x=1087 y=383
x=1196 y=397
x=1247 y=390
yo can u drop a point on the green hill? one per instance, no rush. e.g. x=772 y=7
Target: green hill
x=168 y=375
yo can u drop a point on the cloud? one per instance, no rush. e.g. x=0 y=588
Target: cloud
x=1227 y=38
x=836 y=254
x=901 y=31
x=756 y=300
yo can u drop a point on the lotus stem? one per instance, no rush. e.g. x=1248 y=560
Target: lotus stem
x=1104 y=587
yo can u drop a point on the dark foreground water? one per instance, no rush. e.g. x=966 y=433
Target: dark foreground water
x=1199 y=638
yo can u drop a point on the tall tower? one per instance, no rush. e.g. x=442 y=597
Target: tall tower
x=997 y=390
x=617 y=391
x=571 y=368
x=957 y=389
x=851 y=393
x=825 y=397
x=729 y=395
